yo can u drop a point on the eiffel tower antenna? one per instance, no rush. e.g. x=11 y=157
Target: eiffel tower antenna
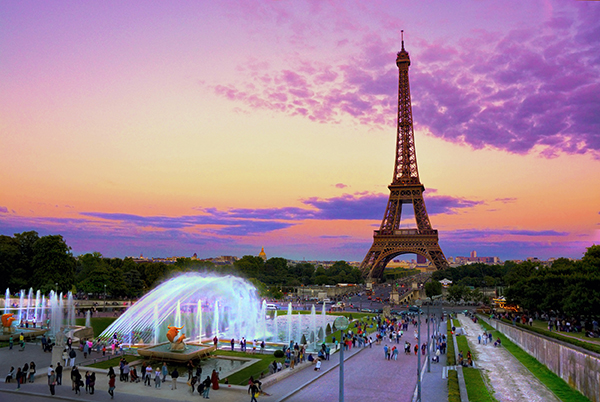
x=390 y=240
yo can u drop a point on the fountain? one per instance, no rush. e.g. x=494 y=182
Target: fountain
x=201 y=307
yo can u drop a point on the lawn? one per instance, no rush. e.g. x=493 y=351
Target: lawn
x=99 y=324
x=556 y=384
x=255 y=370
x=114 y=362
x=476 y=387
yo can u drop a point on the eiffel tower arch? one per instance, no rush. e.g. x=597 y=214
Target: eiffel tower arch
x=391 y=240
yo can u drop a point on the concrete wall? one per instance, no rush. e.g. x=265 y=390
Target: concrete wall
x=580 y=368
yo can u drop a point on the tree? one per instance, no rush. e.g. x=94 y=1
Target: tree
x=52 y=263
x=94 y=273
x=433 y=288
x=9 y=262
x=134 y=283
x=457 y=292
x=250 y=266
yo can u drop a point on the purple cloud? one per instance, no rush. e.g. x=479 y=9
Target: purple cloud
x=528 y=89
x=3 y=210
x=340 y=185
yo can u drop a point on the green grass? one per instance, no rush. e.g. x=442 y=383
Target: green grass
x=463 y=346
x=476 y=388
x=114 y=362
x=453 y=387
x=255 y=370
x=450 y=355
x=99 y=324
x=556 y=384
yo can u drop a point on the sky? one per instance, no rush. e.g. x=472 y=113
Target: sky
x=217 y=128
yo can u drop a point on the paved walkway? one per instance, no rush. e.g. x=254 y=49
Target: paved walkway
x=367 y=375
x=510 y=380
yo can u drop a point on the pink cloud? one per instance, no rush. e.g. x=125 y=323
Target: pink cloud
x=514 y=91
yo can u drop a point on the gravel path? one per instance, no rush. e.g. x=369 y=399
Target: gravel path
x=510 y=380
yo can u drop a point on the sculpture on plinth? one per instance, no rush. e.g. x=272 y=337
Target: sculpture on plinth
x=7 y=320
x=176 y=344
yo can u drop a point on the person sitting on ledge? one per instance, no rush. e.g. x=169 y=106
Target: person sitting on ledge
x=311 y=358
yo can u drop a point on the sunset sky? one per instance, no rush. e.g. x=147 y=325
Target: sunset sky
x=220 y=127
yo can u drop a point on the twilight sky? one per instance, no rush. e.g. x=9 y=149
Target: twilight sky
x=220 y=127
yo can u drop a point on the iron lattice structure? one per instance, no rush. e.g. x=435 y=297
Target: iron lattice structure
x=406 y=188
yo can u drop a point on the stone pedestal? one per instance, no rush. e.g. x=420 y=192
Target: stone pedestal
x=394 y=297
x=177 y=347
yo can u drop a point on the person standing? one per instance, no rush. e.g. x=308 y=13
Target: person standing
x=76 y=379
x=157 y=378
x=111 y=384
x=58 y=372
x=214 y=378
x=174 y=376
x=50 y=370
x=148 y=375
x=92 y=383
x=190 y=369
x=31 y=372
x=72 y=356
x=18 y=377
x=207 y=384
x=165 y=371
x=65 y=357
x=87 y=382
x=126 y=371
x=52 y=381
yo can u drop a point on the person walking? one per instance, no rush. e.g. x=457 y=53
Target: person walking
x=253 y=391
x=52 y=381
x=174 y=376
x=111 y=384
x=58 y=372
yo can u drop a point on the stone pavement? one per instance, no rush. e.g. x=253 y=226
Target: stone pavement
x=367 y=375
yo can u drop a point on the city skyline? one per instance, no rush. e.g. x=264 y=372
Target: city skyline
x=218 y=128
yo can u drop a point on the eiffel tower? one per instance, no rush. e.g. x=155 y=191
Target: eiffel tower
x=406 y=188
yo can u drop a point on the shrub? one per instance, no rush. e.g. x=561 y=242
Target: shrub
x=278 y=353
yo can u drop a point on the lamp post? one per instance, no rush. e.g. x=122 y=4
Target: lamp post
x=428 y=338
x=418 y=311
x=105 y=298
x=342 y=324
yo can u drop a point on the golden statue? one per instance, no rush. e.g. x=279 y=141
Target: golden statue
x=7 y=320
x=176 y=344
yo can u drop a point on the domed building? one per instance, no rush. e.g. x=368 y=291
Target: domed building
x=262 y=254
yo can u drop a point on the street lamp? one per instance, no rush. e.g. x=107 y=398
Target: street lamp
x=417 y=310
x=104 y=298
x=342 y=324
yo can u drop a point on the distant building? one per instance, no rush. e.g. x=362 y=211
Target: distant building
x=262 y=254
x=474 y=259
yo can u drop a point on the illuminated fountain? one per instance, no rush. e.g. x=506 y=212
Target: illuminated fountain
x=205 y=306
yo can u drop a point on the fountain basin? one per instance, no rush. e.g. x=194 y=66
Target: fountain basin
x=28 y=333
x=162 y=352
